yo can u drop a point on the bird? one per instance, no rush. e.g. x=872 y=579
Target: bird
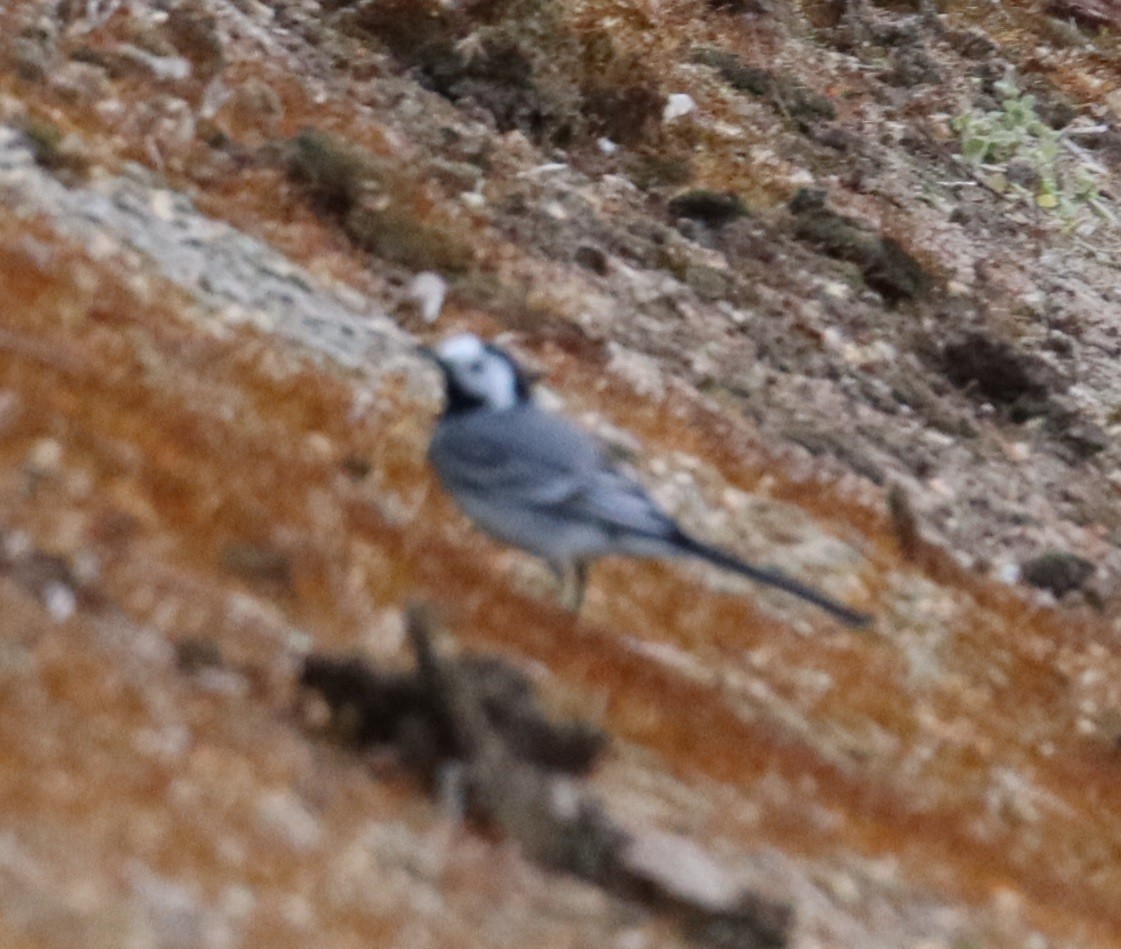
x=535 y=480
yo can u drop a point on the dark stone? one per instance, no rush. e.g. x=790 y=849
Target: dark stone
x=912 y=66
x=195 y=654
x=624 y=113
x=258 y=562
x=1078 y=438
x=714 y=208
x=1060 y=573
x=973 y=43
x=1092 y=14
x=66 y=156
x=379 y=707
x=194 y=33
x=999 y=371
x=1023 y=172
x=757 y=7
x=357 y=467
x=735 y=71
x=893 y=273
x=592 y=258
x=788 y=95
x=369 y=198
x=886 y=267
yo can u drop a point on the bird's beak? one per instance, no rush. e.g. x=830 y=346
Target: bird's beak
x=427 y=352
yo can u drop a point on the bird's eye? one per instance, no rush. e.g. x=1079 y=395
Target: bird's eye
x=476 y=366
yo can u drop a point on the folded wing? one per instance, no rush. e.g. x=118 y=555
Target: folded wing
x=539 y=460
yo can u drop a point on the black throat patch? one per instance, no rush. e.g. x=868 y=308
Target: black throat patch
x=459 y=400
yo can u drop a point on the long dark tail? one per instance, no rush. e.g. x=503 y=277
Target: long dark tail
x=772 y=578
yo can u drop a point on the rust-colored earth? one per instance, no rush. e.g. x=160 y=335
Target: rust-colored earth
x=188 y=457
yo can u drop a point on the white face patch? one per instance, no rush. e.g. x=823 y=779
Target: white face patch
x=480 y=372
x=461 y=349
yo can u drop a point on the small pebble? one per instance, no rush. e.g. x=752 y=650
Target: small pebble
x=45 y=457
x=60 y=602
x=678 y=105
x=428 y=291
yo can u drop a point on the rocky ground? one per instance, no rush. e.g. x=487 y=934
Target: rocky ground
x=840 y=280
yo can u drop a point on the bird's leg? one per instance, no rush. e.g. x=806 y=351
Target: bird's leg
x=573 y=577
x=579 y=584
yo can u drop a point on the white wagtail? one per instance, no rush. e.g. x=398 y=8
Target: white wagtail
x=533 y=479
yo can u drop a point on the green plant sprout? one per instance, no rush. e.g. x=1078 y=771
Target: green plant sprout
x=1063 y=182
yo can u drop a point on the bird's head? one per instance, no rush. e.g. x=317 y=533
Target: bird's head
x=479 y=375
